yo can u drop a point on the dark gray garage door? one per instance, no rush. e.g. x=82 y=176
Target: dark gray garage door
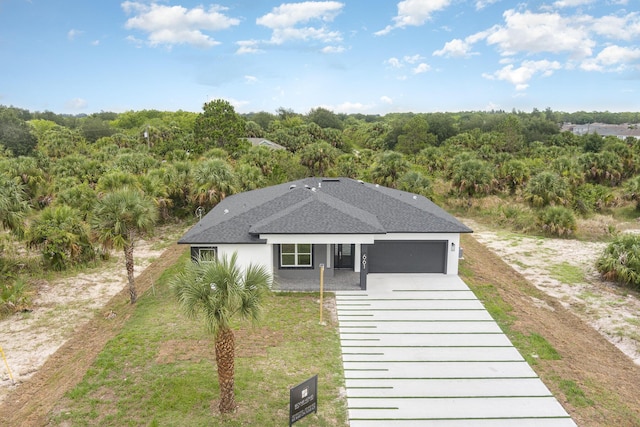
x=407 y=257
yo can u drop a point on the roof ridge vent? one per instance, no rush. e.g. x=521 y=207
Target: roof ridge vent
x=330 y=180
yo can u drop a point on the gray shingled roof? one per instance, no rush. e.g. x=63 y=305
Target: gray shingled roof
x=320 y=206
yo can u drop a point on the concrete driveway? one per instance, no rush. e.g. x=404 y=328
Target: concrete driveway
x=421 y=350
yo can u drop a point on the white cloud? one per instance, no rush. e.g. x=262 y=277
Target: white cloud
x=571 y=3
x=248 y=46
x=409 y=60
x=76 y=104
x=291 y=14
x=289 y=21
x=481 y=4
x=386 y=100
x=237 y=104
x=136 y=41
x=540 y=32
x=394 y=62
x=454 y=48
x=625 y=27
x=412 y=59
x=171 y=25
x=250 y=80
x=282 y=35
x=352 y=107
x=421 y=68
x=612 y=58
x=95 y=42
x=414 y=13
x=520 y=76
x=333 y=49
x=73 y=33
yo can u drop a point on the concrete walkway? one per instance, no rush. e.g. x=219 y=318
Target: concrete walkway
x=421 y=350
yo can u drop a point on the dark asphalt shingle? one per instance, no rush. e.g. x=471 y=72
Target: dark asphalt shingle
x=317 y=206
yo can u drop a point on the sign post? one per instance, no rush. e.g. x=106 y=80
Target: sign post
x=321 y=289
x=303 y=400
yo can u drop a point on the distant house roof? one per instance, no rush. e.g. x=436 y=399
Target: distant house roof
x=603 y=129
x=320 y=206
x=261 y=142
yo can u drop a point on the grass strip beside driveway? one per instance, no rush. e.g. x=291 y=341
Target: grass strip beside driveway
x=160 y=370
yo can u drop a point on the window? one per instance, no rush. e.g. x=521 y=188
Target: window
x=207 y=254
x=296 y=255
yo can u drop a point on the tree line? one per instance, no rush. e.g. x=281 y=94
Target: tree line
x=62 y=177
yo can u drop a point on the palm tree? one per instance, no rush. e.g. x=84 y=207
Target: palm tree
x=13 y=205
x=62 y=236
x=119 y=219
x=213 y=181
x=217 y=290
x=388 y=167
x=620 y=261
x=546 y=188
x=473 y=177
x=319 y=157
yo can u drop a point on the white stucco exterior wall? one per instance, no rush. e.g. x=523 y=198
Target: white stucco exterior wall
x=249 y=254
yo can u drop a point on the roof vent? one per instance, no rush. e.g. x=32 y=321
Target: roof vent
x=415 y=197
x=226 y=211
x=307 y=187
x=361 y=181
x=313 y=189
x=330 y=179
x=377 y=185
x=292 y=186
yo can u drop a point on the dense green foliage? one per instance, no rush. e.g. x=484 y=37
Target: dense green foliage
x=184 y=162
x=621 y=260
x=62 y=236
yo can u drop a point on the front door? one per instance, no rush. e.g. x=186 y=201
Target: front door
x=343 y=256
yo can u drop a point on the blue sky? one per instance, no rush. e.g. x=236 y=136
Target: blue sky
x=351 y=56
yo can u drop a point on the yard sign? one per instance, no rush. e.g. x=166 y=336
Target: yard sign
x=303 y=400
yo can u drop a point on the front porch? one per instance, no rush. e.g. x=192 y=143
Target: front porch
x=342 y=280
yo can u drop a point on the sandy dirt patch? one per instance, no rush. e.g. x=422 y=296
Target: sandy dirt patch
x=552 y=266
x=60 y=308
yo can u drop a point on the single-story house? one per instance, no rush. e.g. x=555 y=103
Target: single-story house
x=347 y=226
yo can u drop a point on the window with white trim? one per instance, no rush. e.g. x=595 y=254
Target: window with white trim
x=207 y=254
x=296 y=255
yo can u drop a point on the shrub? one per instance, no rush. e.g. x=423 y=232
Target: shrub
x=62 y=236
x=589 y=198
x=557 y=221
x=519 y=218
x=415 y=182
x=546 y=188
x=620 y=261
x=14 y=297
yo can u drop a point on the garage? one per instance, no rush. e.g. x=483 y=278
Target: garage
x=404 y=256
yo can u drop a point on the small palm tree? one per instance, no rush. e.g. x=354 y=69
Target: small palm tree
x=388 y=167
x=546 y=188
x=217 y=290
x=119 y=219
x=213 y=181
x=62 y=236
x=13 y=205
x=620 y=261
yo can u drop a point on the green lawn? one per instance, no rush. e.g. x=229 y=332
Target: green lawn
x=160 y=370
